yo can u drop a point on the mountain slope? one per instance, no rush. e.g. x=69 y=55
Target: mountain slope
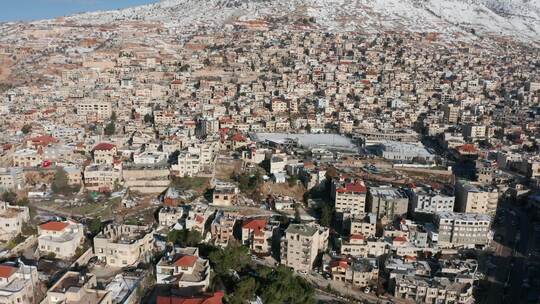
x=515 y=18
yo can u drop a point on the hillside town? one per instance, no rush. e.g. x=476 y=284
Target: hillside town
x=268 y=162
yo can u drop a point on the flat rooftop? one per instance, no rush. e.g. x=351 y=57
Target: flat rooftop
x=328 y=141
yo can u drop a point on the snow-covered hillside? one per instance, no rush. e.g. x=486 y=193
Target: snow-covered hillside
x=515 y=18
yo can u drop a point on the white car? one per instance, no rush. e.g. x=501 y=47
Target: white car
x=367 y=290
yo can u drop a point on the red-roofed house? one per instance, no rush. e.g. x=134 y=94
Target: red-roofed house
x=399 y=241
x=351 y=199
x=216 y=298
x=198 y=216
x=360 y=273
x=184 y=268
x=467 y=149
x=41 y=141
x=18 y=283
x=258 y=234
x=6 y=271
x=104 y=153
x=60 y=238
x=237 y=141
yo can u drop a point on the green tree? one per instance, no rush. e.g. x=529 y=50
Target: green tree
x=244 y=182
x=148 y=118
x=95 y=226
x=293 y=180
x=9 y=196
x=60 y=184
x=297 y=216
x=23 y=201
x=282 y=286
x=245 y=291
x=327 y=213
x=113 y=116
x=26 y=129
x=184 y=237
x=110 y=128
x=233 y=257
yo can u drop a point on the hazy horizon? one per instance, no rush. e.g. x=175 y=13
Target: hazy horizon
x=28 y=10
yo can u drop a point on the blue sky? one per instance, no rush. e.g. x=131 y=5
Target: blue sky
x=15 y=10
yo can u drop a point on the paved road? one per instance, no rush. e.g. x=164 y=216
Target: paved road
x=511 y=259
x=343 y=290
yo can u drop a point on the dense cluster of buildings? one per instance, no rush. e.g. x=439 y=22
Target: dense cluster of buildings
x=404 y=147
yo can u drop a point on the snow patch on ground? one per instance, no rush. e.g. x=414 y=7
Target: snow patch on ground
x=515 y=18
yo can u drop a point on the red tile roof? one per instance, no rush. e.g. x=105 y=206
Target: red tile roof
x=199 y=219
x=339 y=263
x=238 y=137
x=467 y=149
x=54 y=226
x=104 y=147
x=43 y=140
x=186 y=261
x=216 y=298
x=255 y=224
x=353 y=187
x=400 y=239
x=6 y=271
x=358 y=236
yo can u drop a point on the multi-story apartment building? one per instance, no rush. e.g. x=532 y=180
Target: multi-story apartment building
x=360 y=273
x=18 y=283
x=61 y=238
x=474 y=132
x=463 y=229
x=422 y=289
x=279 y=105
x=360 y=246
x=164 y=117
x=350 y=200
x=301 y=245
x=198 y=216
x=94 y=110
x=451 y=113
x=169 y=216
x=104 y=153
x=224 y=194
x=12 y=219
x=75 y=287
x=429 y=200
x=27 y=158
x=74 y=176
x=189 y=164
x=101 y=177
x=222 y=227
x=365 y=226
x=124 y=245
x=185 y=268
x=473 y=197
x=258 y=234
x=11 y=179
x=346 y=127
x=387 y=202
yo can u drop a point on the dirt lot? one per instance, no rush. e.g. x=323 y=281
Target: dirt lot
x=5 y=67
x=226 y=166
x=297 y=191
x=103 y=208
